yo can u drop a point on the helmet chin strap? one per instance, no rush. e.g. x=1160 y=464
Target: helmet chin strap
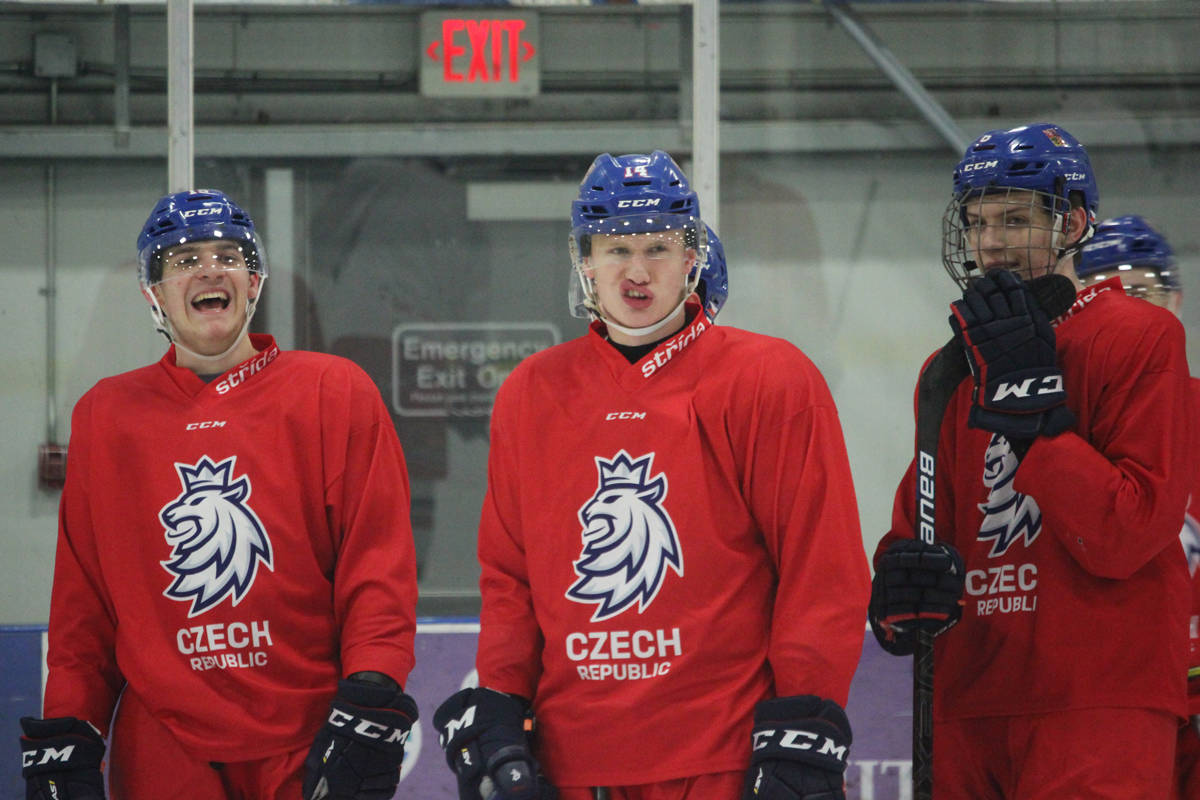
x=162 y=324
x=649 y=329
x=1059 y=233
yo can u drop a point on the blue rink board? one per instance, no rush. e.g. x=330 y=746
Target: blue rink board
x=880 y=710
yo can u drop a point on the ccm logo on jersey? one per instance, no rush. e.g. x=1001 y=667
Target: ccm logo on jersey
x=199 y=426
x=30 y=758
x=624 y=415
x=366 y=728
x=1051 y=384
x=792 y=739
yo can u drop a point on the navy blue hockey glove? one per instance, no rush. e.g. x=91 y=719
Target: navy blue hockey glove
x=1009 y=343
x=799 y=750
x=486 y=735
x=356 y=754
x=60 y=759
x=917 y=586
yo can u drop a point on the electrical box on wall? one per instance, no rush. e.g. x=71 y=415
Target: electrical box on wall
x=54 y=55
x=52 y=466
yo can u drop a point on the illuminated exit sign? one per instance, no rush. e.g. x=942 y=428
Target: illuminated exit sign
x=484 y=54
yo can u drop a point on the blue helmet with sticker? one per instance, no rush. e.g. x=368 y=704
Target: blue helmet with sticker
x=713 y=287
x=633 y=194
x=1040 y=157
x=1128 y=240
x=195 y=216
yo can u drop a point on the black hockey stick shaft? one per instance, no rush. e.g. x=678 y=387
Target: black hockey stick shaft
x=941 y=377
x=945 y=371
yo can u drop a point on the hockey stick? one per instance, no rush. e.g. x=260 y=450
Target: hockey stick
x=941 y=377
x=945 y=371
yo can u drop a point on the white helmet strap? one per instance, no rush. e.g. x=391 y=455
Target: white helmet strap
x=162 y=324
x=649 y=329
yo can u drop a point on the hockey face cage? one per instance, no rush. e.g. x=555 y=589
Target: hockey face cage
x=1016 y=229
x=1040 y=158
x=1130 y=249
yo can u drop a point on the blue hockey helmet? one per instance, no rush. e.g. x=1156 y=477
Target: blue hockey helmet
x=1040 y=157
x=632 y=194
x=1128 y=241
x=1129 y=248
x=195 y=216
x=1040 y=166
x=713 y=287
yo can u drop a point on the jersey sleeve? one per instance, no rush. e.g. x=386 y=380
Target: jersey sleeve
x=510 y=640
x=367 y=501
x=1115 y=499
x=83 y=678
x=799 y=486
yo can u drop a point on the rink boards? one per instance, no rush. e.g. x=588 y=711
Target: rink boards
x=880 y=709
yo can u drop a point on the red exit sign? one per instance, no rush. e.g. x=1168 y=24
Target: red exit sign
x=493 y=54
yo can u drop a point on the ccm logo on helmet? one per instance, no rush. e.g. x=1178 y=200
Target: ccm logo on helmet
x=979 y=165
x=201 y=212
x=1075 y=176
x=640 y=203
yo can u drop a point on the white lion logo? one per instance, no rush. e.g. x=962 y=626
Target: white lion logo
x=217 y=539
x=628 y=538
x=1189 y=537
x=1007 y=512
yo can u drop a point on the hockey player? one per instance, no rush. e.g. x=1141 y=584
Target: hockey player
x=1060 y=486
x=235 y=561
x=673 y=576
x=1130 y=249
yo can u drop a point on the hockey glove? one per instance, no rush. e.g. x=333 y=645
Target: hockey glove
x=917 y=586
x=60 y=759
x=1009 y=344
x=486 y=735
x=800 y=746
x=357 y=753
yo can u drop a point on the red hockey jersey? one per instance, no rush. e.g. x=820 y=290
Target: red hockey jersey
x=1077 y=593
x=1190 y=537
x=228 y=550
x=664 y=544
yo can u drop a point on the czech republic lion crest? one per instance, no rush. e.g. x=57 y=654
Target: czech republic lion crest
x=217 y=540
x=629 y=540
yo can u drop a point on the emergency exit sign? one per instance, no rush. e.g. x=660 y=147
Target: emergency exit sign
x=469 y=53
